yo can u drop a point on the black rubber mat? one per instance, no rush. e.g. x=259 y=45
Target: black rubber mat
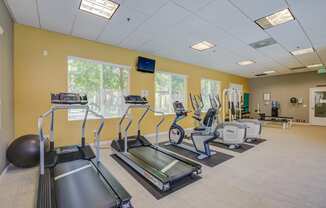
x=257 y=141
x=244 y=147
x=158 y=194
x=211 y=161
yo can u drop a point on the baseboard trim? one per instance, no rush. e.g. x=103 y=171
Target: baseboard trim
x=301 y=123
x=4 y=171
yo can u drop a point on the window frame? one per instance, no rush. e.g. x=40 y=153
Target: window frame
x=185 y=77
x=126 y=67
x=218 y=82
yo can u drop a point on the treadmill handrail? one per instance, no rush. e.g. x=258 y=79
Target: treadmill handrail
x=158 y=124
x=130 y=106
x=142 y=117
x=67 y=107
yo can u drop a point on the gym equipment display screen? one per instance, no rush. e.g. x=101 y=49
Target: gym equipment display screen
x=146 y=65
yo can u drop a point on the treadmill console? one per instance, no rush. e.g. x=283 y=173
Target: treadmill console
x=68 y=98
x=135 y=99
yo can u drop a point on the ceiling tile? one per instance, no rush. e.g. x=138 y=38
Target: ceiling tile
x=290 y=35
x=200 y=30
x=308 y=59
x=135 y=40
x=280 y=55
x=168 y=16
x=226 y=16
x=58 y=15
x=192 y=5
x=256 y=9
x=147 y=7
x=119 y=28
x=311 y=15
x=88 y=26
x=25 y=12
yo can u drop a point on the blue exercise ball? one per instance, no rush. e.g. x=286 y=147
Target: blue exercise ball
x=24 y=152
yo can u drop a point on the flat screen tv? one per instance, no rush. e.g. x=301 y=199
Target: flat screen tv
x=146 y=65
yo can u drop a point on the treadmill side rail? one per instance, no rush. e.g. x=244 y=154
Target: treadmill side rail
x=196 y=166
x=45 y=198
x=161 y=183
x=121 y=193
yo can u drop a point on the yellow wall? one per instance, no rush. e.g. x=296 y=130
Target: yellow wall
x=36 y=76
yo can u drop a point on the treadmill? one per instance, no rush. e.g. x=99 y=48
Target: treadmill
x=73 y=176
x=159 y=166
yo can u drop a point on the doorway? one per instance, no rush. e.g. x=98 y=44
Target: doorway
x=317 y=106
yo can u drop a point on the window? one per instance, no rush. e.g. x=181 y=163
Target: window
x=104 y=83
x=209 y=88
x=169 y=88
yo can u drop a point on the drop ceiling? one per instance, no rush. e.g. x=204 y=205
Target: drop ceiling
x=168 y=28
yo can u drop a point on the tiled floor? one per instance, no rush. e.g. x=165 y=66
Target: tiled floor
x=288 y=170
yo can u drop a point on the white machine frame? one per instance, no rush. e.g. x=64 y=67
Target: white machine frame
x=234 y=97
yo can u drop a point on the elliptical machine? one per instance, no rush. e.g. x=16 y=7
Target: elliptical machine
x=254 y=126
x=230 y=133
x=200 y=137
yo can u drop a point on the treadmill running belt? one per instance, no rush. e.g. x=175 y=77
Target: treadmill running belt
x=172 y=167
x=80 y=186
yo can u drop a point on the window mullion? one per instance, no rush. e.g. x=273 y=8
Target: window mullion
x=102 y=89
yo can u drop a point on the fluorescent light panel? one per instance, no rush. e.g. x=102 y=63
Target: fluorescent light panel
x=277 y=18
x=269 y=72
x=245 y=63
x=102 y=8
x=314 y=65
x=302 y=51
x=204 y=45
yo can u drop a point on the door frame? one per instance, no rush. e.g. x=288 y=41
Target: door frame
x=312 y=119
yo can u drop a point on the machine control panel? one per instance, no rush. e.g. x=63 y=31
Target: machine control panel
x=179 y=109
x=135 y=99
x=68 y=98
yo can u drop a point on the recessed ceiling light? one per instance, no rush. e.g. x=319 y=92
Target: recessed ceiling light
x=103 y=8
x=245 y=63
x=204 y=45
x=269 y=72
x=302 y=51
x=275 y=19
x=314 y=65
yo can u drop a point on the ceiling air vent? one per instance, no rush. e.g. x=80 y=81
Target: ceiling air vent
x=263 y=43
x=297 y=68
x=260 y=75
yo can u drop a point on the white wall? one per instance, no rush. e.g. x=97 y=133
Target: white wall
x=6 y=83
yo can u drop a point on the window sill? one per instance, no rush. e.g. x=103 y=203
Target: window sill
x=165 y=114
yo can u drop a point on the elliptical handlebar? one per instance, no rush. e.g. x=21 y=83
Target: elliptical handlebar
x=201 y=104
x=192 y=102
